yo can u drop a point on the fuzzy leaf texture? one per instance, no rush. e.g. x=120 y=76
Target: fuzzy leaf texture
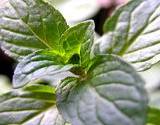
x=112 y=93
x=133 y=32
x=29 y=25
x=33 y=105
x=41 y=65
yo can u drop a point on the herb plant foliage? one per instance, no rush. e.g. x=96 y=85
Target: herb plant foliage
x=90 y=82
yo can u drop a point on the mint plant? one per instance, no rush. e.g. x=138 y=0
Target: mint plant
x=89 y=82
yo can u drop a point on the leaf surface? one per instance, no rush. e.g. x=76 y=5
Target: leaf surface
x=41 y=65
x=153 y=116
x=29 y=107
x=79 y=40
x=112 y=93
x=29 y=25
x=136 y=33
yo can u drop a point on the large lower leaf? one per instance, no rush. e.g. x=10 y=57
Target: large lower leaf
x=112 y=93
x=136 y=33
x=30 y=106
x=28 y=25
x=41 y=65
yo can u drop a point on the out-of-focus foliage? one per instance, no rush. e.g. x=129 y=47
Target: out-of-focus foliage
x=5 y=84
x=75 y=11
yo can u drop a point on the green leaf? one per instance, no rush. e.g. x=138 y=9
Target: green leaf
x=87 y=44
x=153 y=116
x=136 y=33
x=78 y=40
x=112 y=93
x=103 y=45
x=41 y=65
x=28 y=25
x=40 y=88
x=27 y=107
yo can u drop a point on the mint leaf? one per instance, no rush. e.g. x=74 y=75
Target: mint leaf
x=78 y=40
x=28 y=25
x=135 y=27
x=112 y=93
x=41 y=65
x=103 y=45
x=30 y=106
x=153 y=116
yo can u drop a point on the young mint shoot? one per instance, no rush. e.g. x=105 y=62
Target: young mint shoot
x=89 y=82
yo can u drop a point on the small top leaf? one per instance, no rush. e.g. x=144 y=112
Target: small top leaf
x=135 y=28
x=78 y=40
x=112 y=93
x=28 y=25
